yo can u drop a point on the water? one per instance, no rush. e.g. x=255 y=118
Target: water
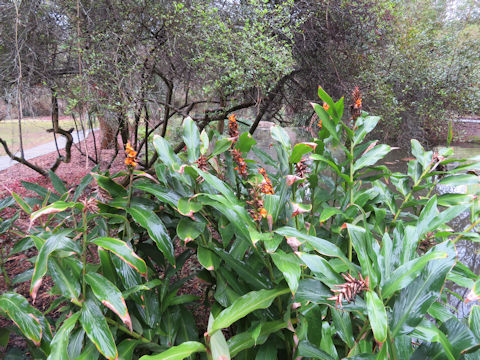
x=468 y=252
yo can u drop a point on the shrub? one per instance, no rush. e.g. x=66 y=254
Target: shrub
x=329 y=255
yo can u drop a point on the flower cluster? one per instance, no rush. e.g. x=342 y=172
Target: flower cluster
x=356 y=107
x=232 y=127
x=256 y=202
x=131 y=159
x=301 y=168
x=241 y=164
x=266 y=185
x=350 y=289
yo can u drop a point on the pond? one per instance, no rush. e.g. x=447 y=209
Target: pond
x=468 y=252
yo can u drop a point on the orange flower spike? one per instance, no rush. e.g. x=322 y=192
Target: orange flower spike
x=131 y=154
x=263 y=212
x=326 y=106
x=358 y=103
x=319 y=123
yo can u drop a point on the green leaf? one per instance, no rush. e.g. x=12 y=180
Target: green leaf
x=377 y=316
x=326 y=98
x=299 y=150
x=328 y=212
x=188 y=230
x=306 y=349
x=364 y=126
x=165 y=152
x=208 y=259
x=289 y=265
x=343 y=326
x=54 y=208
x=221 y=146
x=474 y=320
x=245 y=340
x=188 y=207
x=245 y=142
x=115 y=189
x=57 y=183
x=109 y=295
x=322 y=246
x=311 y=290
x=191 y=138
x=461 y=179
x=244 y=305
x=327 y=122
x=415 y=300
x=87 y=179
x=409 y=271
x=281 y=136
x=321 y=268
x=157 y=231
x=96 y=327
x=54 y=242
x=218 y=185
x=205 y=142
x=59 y=345
x=162 y=194
x=371 y=157
x=217 y=343
x=178 y=352
x=123 y=251
x=64 y=277
x=25 y=316
x=126 y=348
x=423 y=157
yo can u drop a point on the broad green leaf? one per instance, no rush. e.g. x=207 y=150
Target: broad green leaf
x=281 y=136
x=126 y=348
x=89 y=353
x=188 y=207
x=307 y=350
x=364 y=126
x=123 y=251
x=96 y=327
x=322 y=246
x=25 y=316
x=440 y=312
x=245 y=142
x=86 y=180
x=115 y=189
x=217 y=343
x=179 y=352
x=331 y=164
x=407 y=272
x=328 y=212
x=474 y=320
x=289 y=265
x=59 y=345
x=299 y=150
x=191 y=138
x=245 y=340
x=54 y=208
x=359 y=239
x=157 y=231
x=65 y=278
x=327 y=122
x=423 y=157
x=165 y=152
x=311 y=290
x=57 y=183
x=321 y=268
x=109 y=295
x=205 y=142
x=371 y=157
x=208 y=259
x=23 y=205
x=461 y=179
x=244 y=305
x=162 y=194
x=343 y=326
x=188 y=230
x=322 y=94
x=377 y=316
x=221 y=146
x=415 y=300
x=54 y=242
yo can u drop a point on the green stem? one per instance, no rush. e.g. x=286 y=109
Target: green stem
x=127 y=331
x=84 y=251
x=350 y=247
x=409 y=195
x=130 y=189
x=4 y=271
x=467 y=230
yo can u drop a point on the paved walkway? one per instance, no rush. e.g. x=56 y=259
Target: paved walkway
x=6 y=162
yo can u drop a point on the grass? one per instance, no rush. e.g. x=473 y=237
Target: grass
x=33 y=130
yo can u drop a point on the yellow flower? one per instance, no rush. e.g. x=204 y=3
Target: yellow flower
x=263 y=212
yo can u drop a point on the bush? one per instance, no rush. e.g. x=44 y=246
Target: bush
x=328 y=256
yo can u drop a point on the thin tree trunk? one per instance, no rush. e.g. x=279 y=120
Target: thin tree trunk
x=19 y=81
x=80 y=73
